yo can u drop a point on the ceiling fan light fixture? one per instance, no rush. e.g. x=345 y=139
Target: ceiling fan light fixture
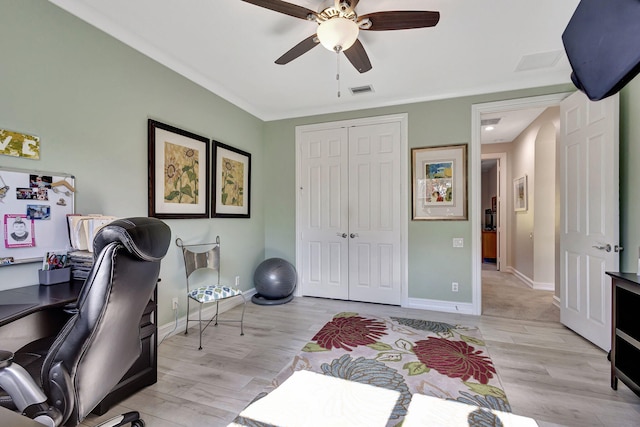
x=338 y=34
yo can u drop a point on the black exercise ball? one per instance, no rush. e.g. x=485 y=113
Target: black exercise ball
x=275 y=280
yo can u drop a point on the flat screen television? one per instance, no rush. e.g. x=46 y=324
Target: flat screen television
x=602 y=42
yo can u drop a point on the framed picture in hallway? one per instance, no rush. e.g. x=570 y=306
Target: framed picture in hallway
x=439 y=182
x=520 y=194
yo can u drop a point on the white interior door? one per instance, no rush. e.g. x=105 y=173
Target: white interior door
x=374 y=213
x=323 y=213
x=350 y=209
x=589 y=214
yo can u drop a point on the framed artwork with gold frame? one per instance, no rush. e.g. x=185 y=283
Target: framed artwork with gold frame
x=439 y=182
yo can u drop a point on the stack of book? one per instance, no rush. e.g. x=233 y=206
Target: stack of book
x=80 y=263
x=83 y=228
x=82 y=231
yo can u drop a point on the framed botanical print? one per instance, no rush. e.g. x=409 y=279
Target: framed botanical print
x=178 y=172
x=231 y=178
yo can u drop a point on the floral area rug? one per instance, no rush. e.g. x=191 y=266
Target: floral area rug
x=406 y=355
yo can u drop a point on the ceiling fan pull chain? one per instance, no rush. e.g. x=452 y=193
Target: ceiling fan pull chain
x=338 y=69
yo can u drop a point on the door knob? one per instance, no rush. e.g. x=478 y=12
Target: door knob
x=606 y=247
x=343 y=235
x=354 y=235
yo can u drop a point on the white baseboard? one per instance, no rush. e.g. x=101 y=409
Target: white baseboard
x=208 y=312
x=443 y=306
x=556 y=301
x=540 y=286
x=544 y=286
x=524 y=279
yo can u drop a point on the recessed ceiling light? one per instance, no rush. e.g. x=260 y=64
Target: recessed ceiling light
x=489 y=128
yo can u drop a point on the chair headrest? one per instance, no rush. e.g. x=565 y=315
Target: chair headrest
x=145 y=238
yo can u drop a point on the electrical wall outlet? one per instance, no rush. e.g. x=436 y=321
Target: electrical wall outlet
x=174 y=304
x=237 y=280
x=454 y=286
x=458 y=242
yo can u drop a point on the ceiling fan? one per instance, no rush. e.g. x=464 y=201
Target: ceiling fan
x=339 y=25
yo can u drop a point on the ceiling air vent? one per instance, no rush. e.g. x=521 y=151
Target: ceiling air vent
x=361 y=89
x=489 y=122
x=538 y=61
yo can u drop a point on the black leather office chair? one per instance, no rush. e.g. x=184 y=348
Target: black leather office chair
x=59 y=381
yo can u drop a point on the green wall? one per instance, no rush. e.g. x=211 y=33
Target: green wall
x=630 y=175
x=433 y=262
x=88 y=97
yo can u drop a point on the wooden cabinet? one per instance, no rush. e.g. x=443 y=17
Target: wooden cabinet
x=625 y=330
x=144 y=371
x=489 y=245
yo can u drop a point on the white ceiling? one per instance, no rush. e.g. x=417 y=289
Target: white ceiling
x=510 y=125
x=229 y=47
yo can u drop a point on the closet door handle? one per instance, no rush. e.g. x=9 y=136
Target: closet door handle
x=343 y=235
x=354 y=235
x=601 y=247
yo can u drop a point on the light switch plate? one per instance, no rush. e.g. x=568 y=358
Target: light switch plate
x=458 y=242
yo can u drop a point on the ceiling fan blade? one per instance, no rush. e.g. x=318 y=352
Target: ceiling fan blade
x=303 y=47
x=284 y=7
x=400 y=20
x=358 y=57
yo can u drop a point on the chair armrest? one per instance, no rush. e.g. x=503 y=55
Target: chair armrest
x=18 y=384
x=25 y=393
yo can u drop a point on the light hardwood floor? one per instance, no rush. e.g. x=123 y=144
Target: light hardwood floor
x=505 y=295
x=548 y=372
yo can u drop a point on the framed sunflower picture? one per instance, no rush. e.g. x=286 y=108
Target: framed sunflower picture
x=231 y=179
x=178 y=172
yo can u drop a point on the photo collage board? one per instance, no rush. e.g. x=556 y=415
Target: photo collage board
x=34 y=206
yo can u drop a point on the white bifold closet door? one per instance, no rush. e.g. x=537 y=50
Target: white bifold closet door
x=349 y=213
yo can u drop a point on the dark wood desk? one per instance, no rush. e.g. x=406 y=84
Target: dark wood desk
x=33 y=312
x=37 y=311
x=21 y=302
x=625 y=330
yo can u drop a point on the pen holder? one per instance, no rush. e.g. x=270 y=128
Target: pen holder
x=51 y=277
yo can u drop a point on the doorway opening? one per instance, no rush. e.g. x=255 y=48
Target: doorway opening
x=510 y=279
x=493 y=210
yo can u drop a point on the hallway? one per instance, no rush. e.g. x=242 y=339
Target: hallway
x=504 y=295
